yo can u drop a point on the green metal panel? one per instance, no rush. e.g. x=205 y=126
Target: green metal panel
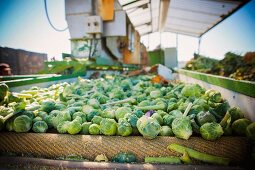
x=156 y=57
x=240 y=86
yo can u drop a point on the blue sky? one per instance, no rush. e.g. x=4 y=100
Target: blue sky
x=23 y=25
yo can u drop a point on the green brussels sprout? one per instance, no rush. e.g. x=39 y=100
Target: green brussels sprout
x=171 y=106
x=166 y=131
x=124 y=128
x=80 y=114
x=138 y=113
x=87 y=108
x=100 y=97
x=116 y=94
x=42 y=114
x=94 y=103
x=40 y=127
x=204 y=117
x=49 y=120
x=48 y=105
x=54 y=113
x=239 y=126
x=213 y=96
x=211 y=131
x=73 y=109
x=121 y=111
x=168 y=119
x=250 y=131
x=60 y=106
x=74 y=127
x=219 y=109
x=93 y=113
x=132 y=119
x=144 y=103
x=85 y=128
x=195 y=109
x=192 y=90
x=96 y=120
x=182 y=128
x=155 y=94
x=161 y=113
x=22 y=123
x=37 y=118
x=157 y=117
x=108 y=126
x=62 y=127
x=148 y=127
x=30 y=114
x=108 y=113
x=124 y=157
x=61 y=117
x=94 y=129
x=235 y=113
x=140 y=98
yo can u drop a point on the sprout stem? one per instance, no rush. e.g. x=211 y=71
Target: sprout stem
x=169 y=160
x=187 y=109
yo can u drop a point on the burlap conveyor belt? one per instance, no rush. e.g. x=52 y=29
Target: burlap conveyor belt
x=55 y=145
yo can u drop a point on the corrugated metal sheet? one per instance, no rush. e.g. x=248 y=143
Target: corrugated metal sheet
x=189 y=17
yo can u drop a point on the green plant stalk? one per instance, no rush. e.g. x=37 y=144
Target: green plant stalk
x=199 y=155
x=224 y=120
x=169 y=160
x=153 y=107
x=128 y=100
x=187 y=109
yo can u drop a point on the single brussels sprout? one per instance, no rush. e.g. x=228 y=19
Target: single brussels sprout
x=86 y=109
x=42 y=114
x=100 y=97
x=124 y=157
x=181 y=127
x=61 y=117
x=54 y=113
x=108 y=126
x=97 y=120
x=166 y=131
x=213 y=96
x=62 y=127
x=94 y=103
x=30 y=114
x=211 y=131
x=235 y=113
x=132 y=119
x=148 y=127
x=60 y=106
x=74 y=127
x=94 y=129
x=93 y=113
x=144 y=103
x=195 y=109
x=49 y=120
x=161 y=113
x=85 y=128
x=200 y=102
x=157 y=117
x=204 y=117
x=22 y=123
x=124 y=128
x=80 y=114
x=171 y=106
x=140 y=98
x=250 y=131
x=72 y=110
x=120 y=112
x=192 y=90
x=40 y=127
x=108 y=113
x=37 y=118
x=155 y=94
x=48 y=105
x=239 y=126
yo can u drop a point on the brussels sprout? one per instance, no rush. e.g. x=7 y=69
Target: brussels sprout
x=94 y=129
x=132 y=119
x=61 y=117
x=148 y=127
x=48 y=105
x=40 y=127
x=239 y=126
x=97 y=120
x=124 y=157
x=192 y=90
x=211 y=131
x=30 y=114
x=93 y=113
x=62 y=127
x=60 y=106
x=157 y=117
x=85 y=128
x=195 y=109
x=213 y=95
x=80 y=114
x=204 y=117
x=172 y=106
x=250 y=131
x=72 y=110
x=155 y=94
x=166 y=131
x=49 y=120
x=94 y=103
x=87 y=108
x=42 y=114
x=235 y=113
x=124 y=128
x=74 y=127
x=161 y=113
x=182 y=128
x=108 y=113
x=219 y=109
x=120 y=112
x=144 y=103
x=22 y=123
x=100 y=97
x=108 y=126
x=37 y=118
x=77 y=104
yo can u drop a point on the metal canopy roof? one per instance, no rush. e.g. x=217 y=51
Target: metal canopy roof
x=188 y=17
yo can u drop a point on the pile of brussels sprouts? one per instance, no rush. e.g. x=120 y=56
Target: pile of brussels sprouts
x=117 y=105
